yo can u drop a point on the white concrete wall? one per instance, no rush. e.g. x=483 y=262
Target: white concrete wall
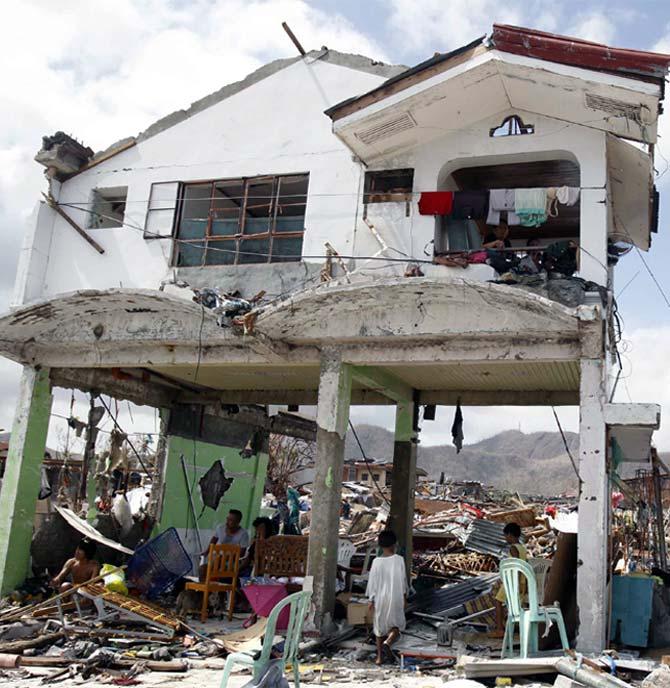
x=277 y=126
x=434 y=163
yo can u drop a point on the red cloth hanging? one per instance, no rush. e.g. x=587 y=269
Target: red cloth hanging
x=436 y=202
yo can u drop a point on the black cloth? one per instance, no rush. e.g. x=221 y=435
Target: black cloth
x=490 y=237
x=457 y=428
x=501 y=262
x=561 y=256
x=470 y=205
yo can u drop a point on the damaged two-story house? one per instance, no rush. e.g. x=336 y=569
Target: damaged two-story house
x=356 y=197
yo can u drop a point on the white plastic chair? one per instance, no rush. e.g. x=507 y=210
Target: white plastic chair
x=345 y=550
x=541 y=569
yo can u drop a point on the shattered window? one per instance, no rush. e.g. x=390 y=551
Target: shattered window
x=382 y=186
x=240 y=221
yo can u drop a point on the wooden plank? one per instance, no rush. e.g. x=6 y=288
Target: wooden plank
x=51 y=202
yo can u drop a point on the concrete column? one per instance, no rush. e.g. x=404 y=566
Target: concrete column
x=593 y=221
x=594 y=502
x=404 y=478
x=332 y=418
x=21 y=482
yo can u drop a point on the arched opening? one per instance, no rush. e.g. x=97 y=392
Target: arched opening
x=549 y=170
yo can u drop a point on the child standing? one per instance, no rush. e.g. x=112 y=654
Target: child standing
x=387 y=588
x=512 y=533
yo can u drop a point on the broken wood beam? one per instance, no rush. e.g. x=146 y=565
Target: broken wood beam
x=52 y=203
x=174 y=666
x=17 y=647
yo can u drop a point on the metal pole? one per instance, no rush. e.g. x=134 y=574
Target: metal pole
x=190 y=502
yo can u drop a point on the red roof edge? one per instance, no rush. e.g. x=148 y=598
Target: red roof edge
x=579 y=53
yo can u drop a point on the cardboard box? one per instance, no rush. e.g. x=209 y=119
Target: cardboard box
x=357 y=609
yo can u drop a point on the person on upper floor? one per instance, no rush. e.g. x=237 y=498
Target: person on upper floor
x=498 y=237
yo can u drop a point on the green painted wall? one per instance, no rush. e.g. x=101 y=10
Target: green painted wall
x=21 y=482
x=244 y=494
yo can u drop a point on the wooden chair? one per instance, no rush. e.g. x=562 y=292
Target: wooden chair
x=223 y=561
x=281 y=555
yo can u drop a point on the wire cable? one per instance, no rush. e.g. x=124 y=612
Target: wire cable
x=565 y=444
x=368 y=463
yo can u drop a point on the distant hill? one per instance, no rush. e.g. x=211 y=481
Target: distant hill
x=534 y=463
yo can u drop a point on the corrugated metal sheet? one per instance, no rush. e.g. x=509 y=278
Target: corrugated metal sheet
x=486 y=537
x=440 y=600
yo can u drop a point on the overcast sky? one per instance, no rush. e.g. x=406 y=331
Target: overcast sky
x=105 y=69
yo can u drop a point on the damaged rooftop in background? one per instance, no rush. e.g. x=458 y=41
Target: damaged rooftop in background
x=446 y=234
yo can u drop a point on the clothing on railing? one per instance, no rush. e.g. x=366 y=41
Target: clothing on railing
x=531 y=206
x=502 y=200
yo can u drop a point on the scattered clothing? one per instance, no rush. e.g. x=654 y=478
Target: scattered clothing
x=477 y=257
x=436 y=202
x=501 y=262
x=531 y=206
x=457 y=428
x=470 y=205
x=502 y=200
x=387 y=587
x=561 y=256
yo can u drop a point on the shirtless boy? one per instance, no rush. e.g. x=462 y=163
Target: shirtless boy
x=79 y=569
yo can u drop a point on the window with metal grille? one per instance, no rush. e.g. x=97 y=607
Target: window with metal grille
x=238 y=221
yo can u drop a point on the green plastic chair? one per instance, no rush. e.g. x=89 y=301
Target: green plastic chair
x=299 y=602
x=529 y=619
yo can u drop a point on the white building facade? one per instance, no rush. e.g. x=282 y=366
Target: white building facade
x=304 y=181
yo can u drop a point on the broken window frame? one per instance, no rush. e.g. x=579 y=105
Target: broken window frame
x=235 y=242
x=374 y=191
x=150 y=234
x=98 y=218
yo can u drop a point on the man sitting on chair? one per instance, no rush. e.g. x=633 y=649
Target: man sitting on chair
x=228 y=533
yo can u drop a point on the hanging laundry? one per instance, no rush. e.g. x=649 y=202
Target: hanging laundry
x=567 y=195
x=531 y=206
x=457 y=428
x=436 y=202
x=470 y=205
x=502 y=200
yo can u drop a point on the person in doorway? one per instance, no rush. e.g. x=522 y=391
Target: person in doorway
x=512 y=533
x=387 y=590
x=81 y=568
x=228 y=533
x=498 y=238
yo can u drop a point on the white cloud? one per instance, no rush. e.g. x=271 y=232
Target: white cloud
x=593 y=26
x=435 y=25
x=105 y=70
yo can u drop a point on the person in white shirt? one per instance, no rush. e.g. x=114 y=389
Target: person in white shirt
x=387 y=589
x=228 y=533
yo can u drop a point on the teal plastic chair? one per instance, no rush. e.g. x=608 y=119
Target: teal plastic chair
x=529 y=620
x=299 y=602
